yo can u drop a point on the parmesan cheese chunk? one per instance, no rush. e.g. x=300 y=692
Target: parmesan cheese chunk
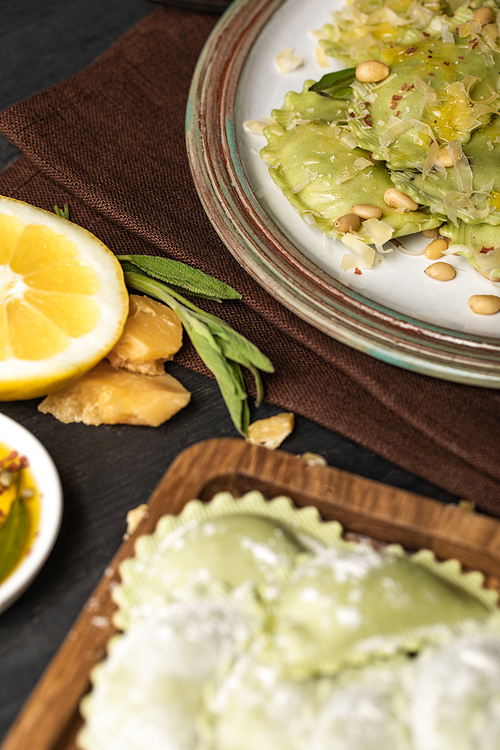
x=134 y=517
x=152 y=335
x=272 y=431
x=108 y=396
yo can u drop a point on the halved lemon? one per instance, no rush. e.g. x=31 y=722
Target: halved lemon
x=63 y=301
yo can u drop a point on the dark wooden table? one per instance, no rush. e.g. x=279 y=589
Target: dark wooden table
x=107 y=470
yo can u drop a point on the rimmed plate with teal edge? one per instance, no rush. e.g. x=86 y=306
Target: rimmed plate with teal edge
x=394 y=311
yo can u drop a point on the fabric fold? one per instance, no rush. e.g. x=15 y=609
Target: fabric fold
x=110 y=143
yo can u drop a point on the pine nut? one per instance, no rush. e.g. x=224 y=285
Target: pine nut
x=371 y=71
x=490 y=30
x=347 y=223
x=484 y=15
x=484 y=304
x=396 y=199
x=444 y=158
x=430 y=233
x=366 y=211
x=441 y=271
x=487 y=276
x=435 y=249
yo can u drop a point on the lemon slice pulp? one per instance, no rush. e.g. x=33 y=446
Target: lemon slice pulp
x=63 y=301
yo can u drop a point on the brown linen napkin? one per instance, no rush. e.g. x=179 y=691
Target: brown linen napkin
x=110 y=143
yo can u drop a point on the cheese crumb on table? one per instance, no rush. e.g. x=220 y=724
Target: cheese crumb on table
x=109 y=396
x=134 y=517
x=271 y=432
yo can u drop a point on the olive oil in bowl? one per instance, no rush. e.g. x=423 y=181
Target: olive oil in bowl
x=19 y=509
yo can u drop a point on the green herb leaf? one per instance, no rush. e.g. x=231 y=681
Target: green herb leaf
x=237 y=347
x=227 y=373
x=62 y=212
x=181 y=277
x=13 y=534
x=335 y=85
x=221 y=348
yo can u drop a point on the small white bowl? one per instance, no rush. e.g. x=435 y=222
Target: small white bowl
x=47 y=479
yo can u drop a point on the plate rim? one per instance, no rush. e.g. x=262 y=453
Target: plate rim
x=261 y=248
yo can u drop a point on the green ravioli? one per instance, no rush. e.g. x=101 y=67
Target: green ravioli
x=475 y=197
x=257 y=708
x=231 y=549
x=366 y=710
x=479 y=244
x=361 y=29
x=148 y=692
x=436 y=92
x=347 y=607
x=209 y=556
x=322 y=173
x=456 y=695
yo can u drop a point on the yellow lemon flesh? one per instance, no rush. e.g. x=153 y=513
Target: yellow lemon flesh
x=63 y=301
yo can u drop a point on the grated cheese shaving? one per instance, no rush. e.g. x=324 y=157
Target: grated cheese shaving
x=256 y=127
x=446 y=35
x=309 y=218
x=462 y=167
x=273 y=126
x=287 y=61
x=365 y=253
x=467 y=28
x=395 y=127
x=389 y=78
x=308 y=177
x=430 y=160
x=350 y=261
x=321 y=57
x=379 y=232
x=348 y=140
x=362 y=163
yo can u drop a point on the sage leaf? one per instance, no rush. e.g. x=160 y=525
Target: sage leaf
x=221 y=348
x=237 y=347
x=183 y=277
x=227 y=373
x=13 y=536
x=335 y=85
x=62 y=212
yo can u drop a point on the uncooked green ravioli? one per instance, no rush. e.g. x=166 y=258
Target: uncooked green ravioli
x=148 y=692
x=254 y=706
x=456 y=695
x=367 y=709
x=219 y=666
x=348 y=607
x=227 y=551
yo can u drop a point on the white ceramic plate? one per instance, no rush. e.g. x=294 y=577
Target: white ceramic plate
x=47 y=479
x=393 y=311
x=399 y=281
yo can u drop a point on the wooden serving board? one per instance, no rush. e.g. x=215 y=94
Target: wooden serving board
x=50 y=719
